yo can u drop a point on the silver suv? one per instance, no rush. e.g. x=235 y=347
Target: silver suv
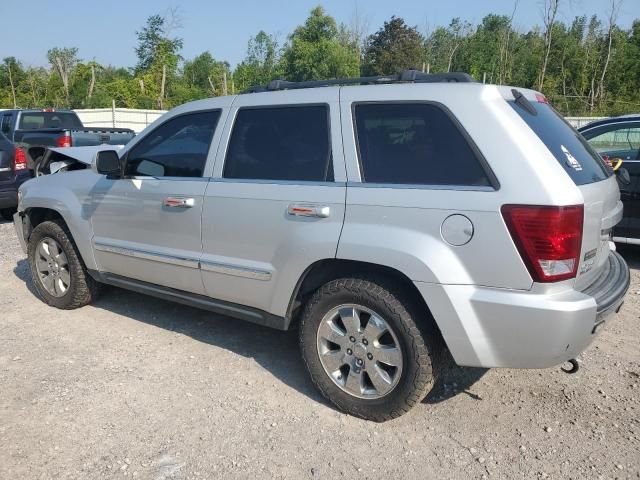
x=386 y=221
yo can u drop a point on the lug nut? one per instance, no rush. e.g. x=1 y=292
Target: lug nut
x=359 y=362
x=364 y=341
x=349 y=351
x=352 y=339
x=370 y=356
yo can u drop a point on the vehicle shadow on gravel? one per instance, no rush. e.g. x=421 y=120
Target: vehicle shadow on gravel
x=274 y=350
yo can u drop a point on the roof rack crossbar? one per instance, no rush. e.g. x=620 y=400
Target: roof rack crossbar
x=406 y=76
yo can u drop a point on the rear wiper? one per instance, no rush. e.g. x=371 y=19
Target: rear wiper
x=523 y=103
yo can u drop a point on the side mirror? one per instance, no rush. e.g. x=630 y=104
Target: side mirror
x=623 y=176
x=107 y=162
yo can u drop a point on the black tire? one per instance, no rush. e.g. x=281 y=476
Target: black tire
x=83 y=289
x=417 y=336
x=7 y=213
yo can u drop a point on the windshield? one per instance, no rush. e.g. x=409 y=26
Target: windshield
x=38 y=120
x=581 y=162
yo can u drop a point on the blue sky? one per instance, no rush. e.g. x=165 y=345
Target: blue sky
x=106 y=30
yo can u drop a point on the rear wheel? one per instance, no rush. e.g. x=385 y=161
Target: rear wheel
x=364 y=351
x=57 y=270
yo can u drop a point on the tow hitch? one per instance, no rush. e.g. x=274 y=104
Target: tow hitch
x=570 y=366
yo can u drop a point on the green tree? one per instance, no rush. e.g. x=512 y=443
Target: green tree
x=63 y=61
x=261 y=64
x=393 y=48
x=315 y=52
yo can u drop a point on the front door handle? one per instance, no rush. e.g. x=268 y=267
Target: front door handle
x=179 y=202
x=309 y=210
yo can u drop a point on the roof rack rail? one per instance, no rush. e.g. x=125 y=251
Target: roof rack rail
x=406 y=76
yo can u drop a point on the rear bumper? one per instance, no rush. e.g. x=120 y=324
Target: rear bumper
x=489 y=327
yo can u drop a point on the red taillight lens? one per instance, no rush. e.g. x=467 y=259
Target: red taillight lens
x=548 y=239
x=64 y=141
x=20 y=162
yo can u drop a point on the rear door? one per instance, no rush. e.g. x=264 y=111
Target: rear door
x=6 y=158
x=147 y=225
x=621 y=140
x=276 y=202
x=596 y=181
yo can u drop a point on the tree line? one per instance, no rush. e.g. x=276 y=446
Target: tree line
x=590 y=66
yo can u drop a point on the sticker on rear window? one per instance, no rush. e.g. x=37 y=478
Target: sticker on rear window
x=571 y=160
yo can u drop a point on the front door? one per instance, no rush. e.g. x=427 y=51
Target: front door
x=147 y=225
x=276 y=202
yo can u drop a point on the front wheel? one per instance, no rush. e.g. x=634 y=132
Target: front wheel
x=364 y=350
x=57 y=269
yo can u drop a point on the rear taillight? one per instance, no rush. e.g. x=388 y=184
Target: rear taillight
x=548 y=239
x=20 y=162
x=64 y=141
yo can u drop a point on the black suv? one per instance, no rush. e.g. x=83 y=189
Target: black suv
x=619 y=138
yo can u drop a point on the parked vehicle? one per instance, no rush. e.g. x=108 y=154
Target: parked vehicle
x=385 y=221
x=13 y=172
x=35 y=130
x=618 y=138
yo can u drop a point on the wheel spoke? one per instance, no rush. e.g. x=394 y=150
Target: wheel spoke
x=47 y=281
x=375 y=328
x=44 y=251
x=332 y=360
x=65 y=277
x=380 y=379
x=42 y=265
x=61 y=259
x=330 y=331
x=351 y=319
x=54 y=251
x=354 y=382
x=388 y=355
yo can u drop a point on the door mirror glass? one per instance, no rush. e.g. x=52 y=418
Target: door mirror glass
x=107 y=162
x=623 y=176
x=149 y=168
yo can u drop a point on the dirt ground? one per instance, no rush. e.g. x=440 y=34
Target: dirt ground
x=141 y=388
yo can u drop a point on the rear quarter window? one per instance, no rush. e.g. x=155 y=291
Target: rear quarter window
x=415 y=144
x=581 y=162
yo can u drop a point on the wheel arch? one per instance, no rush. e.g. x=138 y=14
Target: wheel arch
x=326 y=270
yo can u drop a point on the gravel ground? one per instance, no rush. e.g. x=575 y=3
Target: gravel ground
x=137 y=387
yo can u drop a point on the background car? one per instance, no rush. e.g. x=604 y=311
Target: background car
x=13 y=172
x=619 y=137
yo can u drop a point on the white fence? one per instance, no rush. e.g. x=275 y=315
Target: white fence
x=131 y=118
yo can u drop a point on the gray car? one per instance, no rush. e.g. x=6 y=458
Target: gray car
x=387 y=221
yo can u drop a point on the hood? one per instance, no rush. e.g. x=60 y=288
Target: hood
x=84 y=154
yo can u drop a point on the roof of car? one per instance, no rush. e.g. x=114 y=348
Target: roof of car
x=608 y=121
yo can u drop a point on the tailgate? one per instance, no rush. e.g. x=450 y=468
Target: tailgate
x=602 y=211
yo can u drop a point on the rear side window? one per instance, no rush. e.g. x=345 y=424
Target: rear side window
x=37 y=120
x=581 y=162
x=414 y=143
x=280 y=143
x=177 y=148
x=5 y=126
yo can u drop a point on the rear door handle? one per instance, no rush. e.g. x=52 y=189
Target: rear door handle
x=179 y=202
x=308 y=210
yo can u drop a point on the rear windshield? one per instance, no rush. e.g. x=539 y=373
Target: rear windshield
x=581 y=162
x=37 y=120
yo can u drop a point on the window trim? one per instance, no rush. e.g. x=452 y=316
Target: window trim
x=125 y=158
x=494 y=184
x=263 y=181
